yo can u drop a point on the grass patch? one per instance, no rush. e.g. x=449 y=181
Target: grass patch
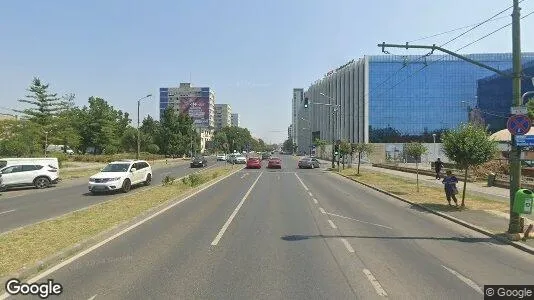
x=30 y=244
x=431 y=197
x=65 y=174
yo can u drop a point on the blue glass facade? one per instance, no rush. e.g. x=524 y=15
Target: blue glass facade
x=410 y=96
x=163 y=100
x=494 y=96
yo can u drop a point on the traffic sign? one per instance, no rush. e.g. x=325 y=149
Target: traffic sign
x=524 y=140
x=518 y=110
x=518 y=124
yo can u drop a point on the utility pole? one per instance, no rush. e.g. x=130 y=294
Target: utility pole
x=138 y=133
x=515 y=163
x=46 y=143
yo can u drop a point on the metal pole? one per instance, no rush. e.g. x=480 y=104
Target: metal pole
x=138 y=135
x=333 y=123
x=515 y=167
x=46 y=143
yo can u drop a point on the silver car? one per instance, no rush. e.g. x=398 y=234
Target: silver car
x=308 y=163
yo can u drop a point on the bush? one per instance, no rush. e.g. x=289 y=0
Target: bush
x=61 y=157
x=195 y=179
x=185 y=180
x=168 y=180
x=214 y=175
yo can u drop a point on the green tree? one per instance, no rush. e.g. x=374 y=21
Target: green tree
x=129 y=140
x=149 y=131
x=361 y=149
x=238 y=137
x=288 y=145
x=169 y=138
x=321 y=144
x=468 y=146
x=530 y=108
x=44 y=106
x=344 y=149
x=20 y=138
x=415 y=150
x=219 y=141
x=64 y=129
x=152 y=149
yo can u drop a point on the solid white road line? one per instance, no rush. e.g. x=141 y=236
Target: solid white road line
x=347 y=245
x=102 y=243
x=322 y=210
x=234 y=213
x=315 y=201
x=359 y=220
x=309 y=193
x=332 y=224
x=301 y=182
x=379 y=290
x=7 y=211
x=466 y=280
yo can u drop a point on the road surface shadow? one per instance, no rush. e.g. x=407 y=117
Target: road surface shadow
x=291 y=238
x=437 y=207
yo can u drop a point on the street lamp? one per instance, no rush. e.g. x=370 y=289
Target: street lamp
x=46 y=143
x=435 y=149
x=138 y=134
x=334 y=118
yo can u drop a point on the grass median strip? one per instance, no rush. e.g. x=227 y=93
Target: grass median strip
x=29 y=245
x=431 y=197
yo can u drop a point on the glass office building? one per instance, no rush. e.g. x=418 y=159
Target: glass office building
x=391 y=98
x=494 y=95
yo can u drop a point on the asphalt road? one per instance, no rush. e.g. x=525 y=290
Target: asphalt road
x=36 y=205
x=293 y=234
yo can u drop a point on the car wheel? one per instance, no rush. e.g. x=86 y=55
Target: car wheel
x=41 y=182
x=126 y=185
x=148 y=179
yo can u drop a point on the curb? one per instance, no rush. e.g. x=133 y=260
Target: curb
x=500 y=238
x=56 y=258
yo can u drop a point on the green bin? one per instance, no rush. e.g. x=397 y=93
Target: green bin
x=523 y=201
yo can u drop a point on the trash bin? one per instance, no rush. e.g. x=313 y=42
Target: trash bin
x=523 y=201
x=491 y=179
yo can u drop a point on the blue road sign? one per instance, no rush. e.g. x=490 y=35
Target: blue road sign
x=524 y=140
x=518 y=124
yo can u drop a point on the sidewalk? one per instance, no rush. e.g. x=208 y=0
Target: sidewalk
x=486 y=221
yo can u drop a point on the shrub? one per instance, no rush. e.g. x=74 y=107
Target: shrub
x=168 y=180
x=214 y=175
x=195 y=179
x=61 y=157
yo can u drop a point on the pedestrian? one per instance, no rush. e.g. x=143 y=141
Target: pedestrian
x=450 y=182
x=438 y=165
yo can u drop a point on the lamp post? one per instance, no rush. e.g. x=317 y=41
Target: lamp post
x=334 y=119
x=46 y=143
x=138 y=134
x=435 y=149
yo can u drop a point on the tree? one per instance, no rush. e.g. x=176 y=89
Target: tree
x=321 y=144
x=344 y=149
x=219 y=141
x=468 y=146
x=64 y=128
x=361 y=148
x=415 y=150
x=129 y=140
x=169 y=138
x=19 y=138
x=530 y=108
x=288 y=145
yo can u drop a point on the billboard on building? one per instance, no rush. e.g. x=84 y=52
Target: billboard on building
x=198 y=108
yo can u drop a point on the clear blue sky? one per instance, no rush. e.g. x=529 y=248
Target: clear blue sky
x=252 y=53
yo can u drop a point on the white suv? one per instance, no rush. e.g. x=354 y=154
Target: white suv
x=39 y=175
x=121 y=175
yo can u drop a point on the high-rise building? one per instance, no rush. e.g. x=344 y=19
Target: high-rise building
x=223 y=115
x=290 y=132
x=235 y=120
x=197 y=102
x=297 y=102
x=395 y=99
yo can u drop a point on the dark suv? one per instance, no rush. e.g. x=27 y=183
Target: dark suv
x=199 y=161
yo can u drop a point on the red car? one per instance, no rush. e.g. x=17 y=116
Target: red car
x=274 y=163
x=254 y=163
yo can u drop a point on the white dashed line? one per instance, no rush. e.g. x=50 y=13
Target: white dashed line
x=379 y=290
x=301 y=182
x=322 y=210
x=359 y=220
x=332 y=224
x=309 y=193
x=234 y=213
x=7 y=211
x=315 y=201
x=466 y=280
x=92 y=298
x=347 y=245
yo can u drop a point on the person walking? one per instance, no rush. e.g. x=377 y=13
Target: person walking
x=438 y=165
x=450 y=182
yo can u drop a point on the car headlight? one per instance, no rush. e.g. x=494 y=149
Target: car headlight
x=91 y=180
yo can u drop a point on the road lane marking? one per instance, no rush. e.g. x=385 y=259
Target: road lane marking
x=309 y=193
x=301 y=182
x=466 y=280
x=315 y=201
x=332 y=224
x=347 y=245
x=339 y=216
x=379 y=290
x=92 y=298
x=322 y=210
x=234 y=213
x=7 y=211
x=100 y=244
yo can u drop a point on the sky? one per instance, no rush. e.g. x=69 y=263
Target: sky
x=251 y=53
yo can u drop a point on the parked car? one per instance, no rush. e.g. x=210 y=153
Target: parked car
x=309 y=163
x=274 y=163
x=39 y=175
x=254 y=163
x=265 y=156
x=221 y=157
x=60 y=148
x=121 y=175
x=52 y=161
x=199 y=161
x=240 y=159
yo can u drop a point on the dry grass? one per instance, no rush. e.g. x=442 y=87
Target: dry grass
x=30 y=244
x=432 y=197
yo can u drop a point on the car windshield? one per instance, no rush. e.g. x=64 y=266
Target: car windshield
x=116 y=168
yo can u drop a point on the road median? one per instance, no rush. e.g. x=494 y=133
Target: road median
x=30 y=249
x=476 y=215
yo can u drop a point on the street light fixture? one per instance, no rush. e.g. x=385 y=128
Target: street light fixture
x=334 y=118
x=138 y=134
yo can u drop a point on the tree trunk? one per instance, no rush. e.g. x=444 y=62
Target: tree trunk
x=417 y=175
x=359 y=160
x=465 y=184
x=343 y=161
